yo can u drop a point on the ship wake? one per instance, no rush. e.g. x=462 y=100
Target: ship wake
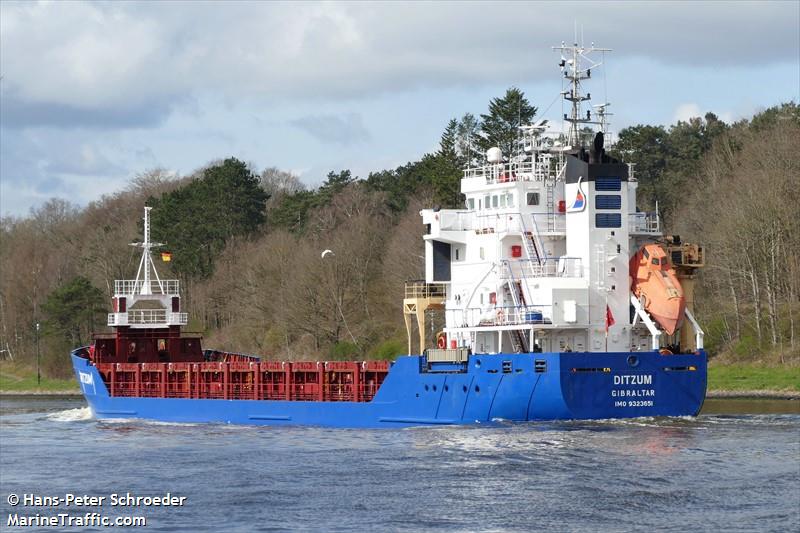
x=71 y=415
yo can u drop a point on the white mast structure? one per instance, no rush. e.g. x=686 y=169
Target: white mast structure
x=160 y=298
x=146 y=261
x=576 y=69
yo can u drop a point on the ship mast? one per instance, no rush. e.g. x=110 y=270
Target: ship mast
x=146 y=262
x=577 y=67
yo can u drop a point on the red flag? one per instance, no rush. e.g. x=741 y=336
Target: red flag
x=609 y=318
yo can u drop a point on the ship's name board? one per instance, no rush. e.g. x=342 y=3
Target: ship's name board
x=633 y=379
x=630 y=396
x=86 y=378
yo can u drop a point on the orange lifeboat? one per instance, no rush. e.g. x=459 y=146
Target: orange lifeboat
x=653 y=278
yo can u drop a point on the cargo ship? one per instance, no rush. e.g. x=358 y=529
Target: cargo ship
x=560 y=299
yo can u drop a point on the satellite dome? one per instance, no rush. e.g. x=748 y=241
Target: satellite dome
x=494 y=155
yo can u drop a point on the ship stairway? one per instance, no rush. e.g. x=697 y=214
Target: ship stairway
x=518 y=341
x=513 y=293
x=513 y=288
x=530 y=239
x=551 y=213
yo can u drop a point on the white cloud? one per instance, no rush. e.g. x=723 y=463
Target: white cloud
x=334 y=129
x=129 y=63
x=685 y=112
x=94 y=92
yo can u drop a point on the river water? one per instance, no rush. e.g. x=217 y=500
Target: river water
x=728 y=469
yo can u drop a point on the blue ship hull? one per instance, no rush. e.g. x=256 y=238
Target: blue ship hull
x=513 y=387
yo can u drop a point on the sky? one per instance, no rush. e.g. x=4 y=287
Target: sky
x=94 y=93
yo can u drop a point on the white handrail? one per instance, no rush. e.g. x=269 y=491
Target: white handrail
x=558 y=267
x=148 y=317
x=128 y=287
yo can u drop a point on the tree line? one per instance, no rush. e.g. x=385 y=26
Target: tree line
x=247 y=244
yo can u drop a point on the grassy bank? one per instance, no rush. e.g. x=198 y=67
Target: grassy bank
x=17 y=378
x=753 y=378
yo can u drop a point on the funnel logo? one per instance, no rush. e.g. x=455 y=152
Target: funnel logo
x=580 y=199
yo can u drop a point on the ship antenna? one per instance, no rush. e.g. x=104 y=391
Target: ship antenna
x=146 y=262
x=576 y=69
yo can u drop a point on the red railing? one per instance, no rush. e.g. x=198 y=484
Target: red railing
x=335 y=381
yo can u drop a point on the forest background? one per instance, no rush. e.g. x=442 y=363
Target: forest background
x=246 y=243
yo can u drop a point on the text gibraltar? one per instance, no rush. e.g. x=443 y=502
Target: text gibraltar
x=634 y=379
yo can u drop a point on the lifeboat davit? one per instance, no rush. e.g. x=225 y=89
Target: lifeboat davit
x=653 y=280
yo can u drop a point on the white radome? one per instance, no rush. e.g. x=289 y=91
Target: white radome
x=494 y=155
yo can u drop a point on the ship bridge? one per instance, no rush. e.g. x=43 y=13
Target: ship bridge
x=131 y=299
x=147 y=301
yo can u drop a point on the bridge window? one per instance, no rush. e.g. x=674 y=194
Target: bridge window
x=510 y=199
x=494 y=202
x=502 y=200
x=471 y=204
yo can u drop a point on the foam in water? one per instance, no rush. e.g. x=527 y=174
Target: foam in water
x=71 y=415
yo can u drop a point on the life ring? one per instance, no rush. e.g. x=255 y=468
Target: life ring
x=500 y=315
x=665 y=351
x=441 y=342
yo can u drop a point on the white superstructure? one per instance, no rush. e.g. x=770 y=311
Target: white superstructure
x=147 y=301
x=538 y=258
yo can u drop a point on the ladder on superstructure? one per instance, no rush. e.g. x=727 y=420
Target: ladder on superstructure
x=513 y=289
x=551 y=214
x=530 y=240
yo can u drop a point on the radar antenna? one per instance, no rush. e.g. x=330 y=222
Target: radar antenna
x=602 y=117
x=577 y=66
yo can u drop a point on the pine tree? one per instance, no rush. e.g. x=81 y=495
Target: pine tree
x=73 y=309
x=445 y=168
x=447 y=144
x=500 y=127
x=467 y=139
x=196 y=221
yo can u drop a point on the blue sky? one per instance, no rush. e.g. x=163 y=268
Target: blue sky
x=94 y=93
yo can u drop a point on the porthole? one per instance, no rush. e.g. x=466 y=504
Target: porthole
x=477 y=388
x=633 y=360
x=426 y=388
x=434 y=388
x=477 y=363
x=446 y=388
